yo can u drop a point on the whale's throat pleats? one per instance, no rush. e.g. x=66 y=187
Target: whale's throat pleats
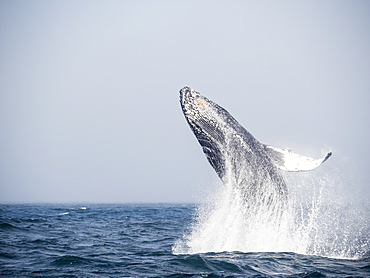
x=214 y=156
x=210 y=145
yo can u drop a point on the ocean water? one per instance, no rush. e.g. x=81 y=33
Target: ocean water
x=160 y=240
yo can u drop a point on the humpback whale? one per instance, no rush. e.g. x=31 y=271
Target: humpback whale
x=238 y=158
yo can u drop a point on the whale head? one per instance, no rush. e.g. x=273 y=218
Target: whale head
x=209 y=122
x=205 y=117
x=193 y=103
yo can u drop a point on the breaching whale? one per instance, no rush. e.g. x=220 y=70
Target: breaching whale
x=237 y=156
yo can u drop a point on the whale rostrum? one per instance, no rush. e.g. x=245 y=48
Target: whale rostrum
x=236 y=155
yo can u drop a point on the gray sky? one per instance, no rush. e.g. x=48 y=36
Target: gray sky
x=89 y=107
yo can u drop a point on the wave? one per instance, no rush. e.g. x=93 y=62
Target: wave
x=263 y=264
x=70 y=260
x=6 y=226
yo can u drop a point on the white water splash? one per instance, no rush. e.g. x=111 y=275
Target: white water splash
x=314 y=222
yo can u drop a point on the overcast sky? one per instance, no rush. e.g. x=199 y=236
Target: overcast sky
x=89 y=108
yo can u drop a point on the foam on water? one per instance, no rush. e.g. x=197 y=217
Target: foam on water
x=313 y=222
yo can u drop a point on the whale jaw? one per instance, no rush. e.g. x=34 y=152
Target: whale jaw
x=203 y=119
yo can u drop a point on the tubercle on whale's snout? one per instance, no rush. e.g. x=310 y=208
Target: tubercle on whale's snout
x=185 y=90
x=186 y=96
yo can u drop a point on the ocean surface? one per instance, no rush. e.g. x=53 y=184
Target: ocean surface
x=141 y=240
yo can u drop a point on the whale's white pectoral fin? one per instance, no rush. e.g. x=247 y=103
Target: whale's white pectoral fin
x=286 y=160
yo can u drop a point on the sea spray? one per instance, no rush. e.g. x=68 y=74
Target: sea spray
x=315 y=224
x=329 y=222
x=225 y=223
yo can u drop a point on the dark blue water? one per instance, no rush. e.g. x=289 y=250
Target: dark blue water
x=135 y=240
